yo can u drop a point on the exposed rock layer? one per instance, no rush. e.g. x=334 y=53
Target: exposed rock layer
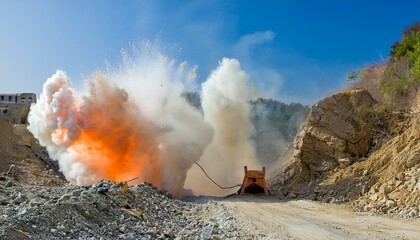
x=339 y=156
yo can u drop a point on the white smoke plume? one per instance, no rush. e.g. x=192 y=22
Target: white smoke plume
x=226 y=109
x=133 y=122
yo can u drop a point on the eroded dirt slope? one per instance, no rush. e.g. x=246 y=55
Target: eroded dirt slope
x=32 y=164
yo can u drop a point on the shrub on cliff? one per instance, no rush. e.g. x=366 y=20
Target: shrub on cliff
x=401 y=77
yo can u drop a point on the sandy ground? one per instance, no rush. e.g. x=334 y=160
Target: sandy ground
x=269 y=218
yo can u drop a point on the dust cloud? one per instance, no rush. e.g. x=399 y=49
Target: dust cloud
x=132 y=121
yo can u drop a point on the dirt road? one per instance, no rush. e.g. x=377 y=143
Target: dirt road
x=269 y=218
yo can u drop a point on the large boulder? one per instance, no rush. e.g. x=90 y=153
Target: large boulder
x=335 y=129
x=335 y=134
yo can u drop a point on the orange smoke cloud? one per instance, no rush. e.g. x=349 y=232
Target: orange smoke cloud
x=113 y=133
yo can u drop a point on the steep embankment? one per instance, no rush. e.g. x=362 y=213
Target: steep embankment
x=396 y=171
x=18 y=147
x=349 y=151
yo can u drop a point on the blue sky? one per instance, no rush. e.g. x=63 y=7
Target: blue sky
x=294 y=50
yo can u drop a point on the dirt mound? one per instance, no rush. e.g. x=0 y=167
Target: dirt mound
x=341 y=155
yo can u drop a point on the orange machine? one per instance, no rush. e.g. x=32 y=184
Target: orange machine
x=254 y=182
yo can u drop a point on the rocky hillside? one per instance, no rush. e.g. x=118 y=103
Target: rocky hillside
x=31 y=163
x=341 y=155
x=362 y=145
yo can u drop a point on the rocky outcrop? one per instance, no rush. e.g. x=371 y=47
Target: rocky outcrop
x=335 y=131
x=336 y=157
x=334 y=135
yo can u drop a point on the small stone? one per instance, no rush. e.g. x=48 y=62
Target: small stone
x=207 y=232
x=412 y=213
x=345 y=162
x=401 y=176
x=77 y=193
x=113 y=226
x=29 y=196
x=53 y=230
x=22 y=212
x=390 y=203
x=413 y=160
x=216 y=237
x=364 y=190
x=36 y=201
x=152 y=233
x=168 y=233
x=123 y=228
x=367 y=208
x=374 y=197
x=394 y=195
x=63 y=228
x=102 y=190
x=385 y=189
x=372 y=190
x=63 y=198
x=9 y=183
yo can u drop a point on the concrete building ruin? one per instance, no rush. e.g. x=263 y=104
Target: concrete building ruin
x=15 y=107
x=18 y=98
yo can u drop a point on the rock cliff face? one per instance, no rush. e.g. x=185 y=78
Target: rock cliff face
x=335 y=134
x=338 y=156
x=335 y=131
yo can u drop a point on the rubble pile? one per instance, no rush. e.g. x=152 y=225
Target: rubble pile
x=107 y=210
x=397 y=191
x=399 y=196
